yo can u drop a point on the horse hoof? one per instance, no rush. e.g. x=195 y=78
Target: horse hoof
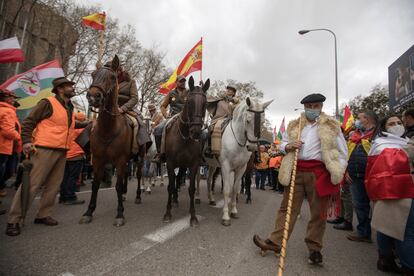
x=85 y=220
x=197 y=201
x=167 y=218
x=248 y=201
x=123 y=198
x=194 y=222
x=263 y=252
x=153 y=184
x=212 y=203
x=138 y=201
x=148 y=192
x=226 y=222
x=234 y=215
x=119 y=222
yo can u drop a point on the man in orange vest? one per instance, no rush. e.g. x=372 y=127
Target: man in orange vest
x=75 y=158
x=9 y=133
x=46 y=135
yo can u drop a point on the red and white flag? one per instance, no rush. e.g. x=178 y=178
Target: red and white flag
x=10 y=51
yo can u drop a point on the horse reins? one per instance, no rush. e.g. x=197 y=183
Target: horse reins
x=189 y=122
x=257 y=132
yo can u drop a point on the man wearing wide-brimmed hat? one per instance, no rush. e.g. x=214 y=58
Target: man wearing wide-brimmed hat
x=46 y=136
x=220 y=107
x=10 y=141
x=156 y=117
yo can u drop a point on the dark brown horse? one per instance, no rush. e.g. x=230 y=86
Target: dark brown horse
x=183 y=144
x=111 y=136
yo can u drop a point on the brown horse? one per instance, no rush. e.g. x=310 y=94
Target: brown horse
x=109 y=137
x=183 y=144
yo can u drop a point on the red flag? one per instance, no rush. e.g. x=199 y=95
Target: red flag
x=10 y=51
x=192 y=62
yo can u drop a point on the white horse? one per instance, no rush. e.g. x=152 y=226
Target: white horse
x=148 y=179
x=239 y=139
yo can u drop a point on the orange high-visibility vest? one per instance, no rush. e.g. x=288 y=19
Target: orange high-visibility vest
x=54 y=132
x=75 y=150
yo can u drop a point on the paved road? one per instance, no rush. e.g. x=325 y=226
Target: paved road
x=147 y=246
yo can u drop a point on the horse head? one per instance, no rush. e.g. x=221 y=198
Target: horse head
x=195 y=108
x=253 y=116
x=104 y=82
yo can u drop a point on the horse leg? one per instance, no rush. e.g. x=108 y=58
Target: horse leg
x=197 y=192
x=98 y=173
x=248 y=184
x=171 y=190
x=139 y=175
x=120 y=187
x=228 y=178
x=125 y=186
x=177 y=186
x=191 y=191
x=236 y=188
x=210 y=183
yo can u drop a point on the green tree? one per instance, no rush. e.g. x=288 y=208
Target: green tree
x=376 y=101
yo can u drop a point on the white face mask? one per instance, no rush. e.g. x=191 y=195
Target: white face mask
x=397 y=130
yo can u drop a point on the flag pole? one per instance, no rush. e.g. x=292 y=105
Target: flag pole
x=201 y=70
x=100 y=48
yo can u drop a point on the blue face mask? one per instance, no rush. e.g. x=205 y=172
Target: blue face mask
x=312 y=114
x=358 y=125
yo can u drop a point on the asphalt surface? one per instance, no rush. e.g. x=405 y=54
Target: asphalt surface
x=147 y=246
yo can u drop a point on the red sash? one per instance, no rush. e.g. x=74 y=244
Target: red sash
x=323 y=184
x=388 y=175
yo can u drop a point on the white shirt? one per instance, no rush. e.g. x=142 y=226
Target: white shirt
x=311 y=148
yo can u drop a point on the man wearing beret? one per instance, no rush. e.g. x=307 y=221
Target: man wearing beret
x=322 y=160
x=220 y=107
x=46 y=135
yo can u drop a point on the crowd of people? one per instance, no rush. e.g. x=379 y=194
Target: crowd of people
x=370 y=167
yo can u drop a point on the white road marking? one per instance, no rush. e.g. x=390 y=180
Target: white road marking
x=109 y=262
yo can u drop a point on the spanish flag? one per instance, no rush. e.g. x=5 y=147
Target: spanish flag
x=95 y=21
x=192 y=62
x=347 y=119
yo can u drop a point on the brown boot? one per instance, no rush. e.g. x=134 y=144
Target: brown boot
x=49 y=221
x=266 y=245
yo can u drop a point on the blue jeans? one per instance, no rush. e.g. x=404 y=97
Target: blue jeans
x=360 y=200
x=261 y=178
x=405 y=249
x=73 y=170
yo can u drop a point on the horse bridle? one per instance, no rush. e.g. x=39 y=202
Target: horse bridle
x=103 y=94
x=188 y=122
x=257 y=132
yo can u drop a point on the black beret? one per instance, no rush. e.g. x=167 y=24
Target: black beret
x=313 y=98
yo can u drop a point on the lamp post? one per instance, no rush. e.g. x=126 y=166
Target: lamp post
x=302 y=32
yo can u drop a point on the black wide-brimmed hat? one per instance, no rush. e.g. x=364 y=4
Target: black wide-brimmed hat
x=313 y=98
x=60 y=81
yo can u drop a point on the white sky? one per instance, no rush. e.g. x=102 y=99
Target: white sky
x=258 y=41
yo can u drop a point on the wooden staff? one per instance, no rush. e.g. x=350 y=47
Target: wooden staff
x=289 y=208
x=100 y=48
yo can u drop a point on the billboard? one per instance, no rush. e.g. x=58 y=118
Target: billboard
x=401 y=80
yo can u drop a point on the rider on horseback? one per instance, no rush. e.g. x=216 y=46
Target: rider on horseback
x=175 y=99
x=220 y=108
x=127 y=100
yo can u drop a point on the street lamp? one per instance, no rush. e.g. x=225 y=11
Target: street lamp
x=302 y=32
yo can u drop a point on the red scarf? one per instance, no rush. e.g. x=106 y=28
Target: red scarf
x=357 y=136
x=323 y=186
